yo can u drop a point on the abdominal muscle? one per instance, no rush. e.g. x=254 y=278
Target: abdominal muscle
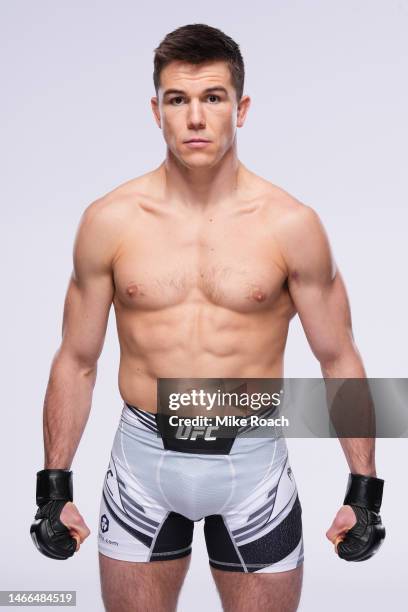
x=197 y=340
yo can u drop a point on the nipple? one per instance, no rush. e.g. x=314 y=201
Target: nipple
x=132 y=290
x=259 y=295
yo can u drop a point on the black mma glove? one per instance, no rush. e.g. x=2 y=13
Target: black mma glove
x=364 y=495
x=49 y=534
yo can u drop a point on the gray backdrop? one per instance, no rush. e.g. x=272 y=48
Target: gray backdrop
x=327 y=123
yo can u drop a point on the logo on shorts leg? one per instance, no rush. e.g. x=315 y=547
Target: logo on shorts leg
x=289 y=472
x=104 y=523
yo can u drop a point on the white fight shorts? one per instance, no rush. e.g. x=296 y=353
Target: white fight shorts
x=247 y=498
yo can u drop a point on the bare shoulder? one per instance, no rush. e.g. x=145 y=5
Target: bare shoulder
x=104 y=221
x=296 y=228
x=121 y=200
x=108 y=215
x=286 y=211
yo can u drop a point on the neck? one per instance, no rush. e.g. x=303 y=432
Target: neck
x=201 y=187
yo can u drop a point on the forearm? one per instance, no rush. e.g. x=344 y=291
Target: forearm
x=359 y=452
x=67 y=405
x=360 y=455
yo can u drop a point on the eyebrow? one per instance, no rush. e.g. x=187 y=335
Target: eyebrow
x=206 y=91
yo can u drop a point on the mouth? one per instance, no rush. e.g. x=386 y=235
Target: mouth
x=197 y=143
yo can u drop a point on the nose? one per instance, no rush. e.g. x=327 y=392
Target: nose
x=195 y=117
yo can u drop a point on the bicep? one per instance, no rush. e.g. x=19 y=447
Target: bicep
x=90 y=293
x=317 y=288
x=85 y=318
x=324 y=312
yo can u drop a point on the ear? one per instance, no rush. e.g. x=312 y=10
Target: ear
x=155 y=108
x=242 y=109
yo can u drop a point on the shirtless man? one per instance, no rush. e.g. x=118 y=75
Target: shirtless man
x=205 y=263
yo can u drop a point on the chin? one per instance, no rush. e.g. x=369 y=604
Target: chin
x=204 y=163
x=203 y=159
x=198 y=161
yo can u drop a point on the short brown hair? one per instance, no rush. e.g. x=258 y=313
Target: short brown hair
x=198 y=43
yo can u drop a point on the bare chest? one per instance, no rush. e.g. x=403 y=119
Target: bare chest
x=235 y=265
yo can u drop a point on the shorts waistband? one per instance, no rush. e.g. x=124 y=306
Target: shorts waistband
x=179 y=439
x=199 y=439
x=144 y=417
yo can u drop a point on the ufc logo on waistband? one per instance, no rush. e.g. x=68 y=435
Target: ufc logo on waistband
x=188 y=432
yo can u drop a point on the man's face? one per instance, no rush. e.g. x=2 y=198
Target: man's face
x=197 y=110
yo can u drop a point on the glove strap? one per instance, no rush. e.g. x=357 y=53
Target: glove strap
x=365 y=491
x=54 y=485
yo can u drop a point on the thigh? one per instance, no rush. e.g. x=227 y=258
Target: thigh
x=136 y=524
x=141 y=587
x=262 y=532
x=274 y=592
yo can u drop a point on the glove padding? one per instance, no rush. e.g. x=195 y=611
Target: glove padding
x=49 y=534
x=362 y=541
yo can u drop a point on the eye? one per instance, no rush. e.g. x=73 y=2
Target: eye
x=213 y=98
x=177 y=100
